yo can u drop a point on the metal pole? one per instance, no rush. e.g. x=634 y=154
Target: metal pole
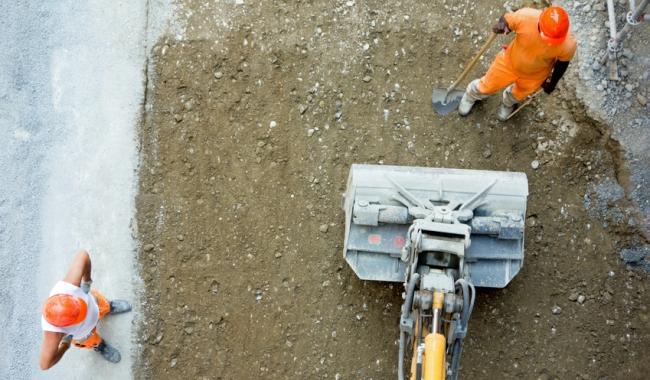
x=632 y=19
x=612 y=19
x=612 y=44
x=632 y=5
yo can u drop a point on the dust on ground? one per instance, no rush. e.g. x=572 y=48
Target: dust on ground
x=255 y=114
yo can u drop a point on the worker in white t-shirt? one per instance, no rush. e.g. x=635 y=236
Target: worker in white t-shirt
x=71 y=313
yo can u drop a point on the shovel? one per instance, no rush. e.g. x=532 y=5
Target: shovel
x=447 y=100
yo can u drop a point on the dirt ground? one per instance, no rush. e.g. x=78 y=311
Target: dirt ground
x=255 y=113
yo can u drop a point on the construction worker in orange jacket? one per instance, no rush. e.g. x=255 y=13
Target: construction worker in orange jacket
x=71 y=313
x=537 y=57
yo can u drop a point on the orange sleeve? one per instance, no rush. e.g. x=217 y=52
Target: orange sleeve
x=569 y=49
x=513 y=19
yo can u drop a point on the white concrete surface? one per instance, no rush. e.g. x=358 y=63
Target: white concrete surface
x=71 y=90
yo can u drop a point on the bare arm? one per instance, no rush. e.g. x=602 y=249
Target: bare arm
x=52 y=349
x=79 y=269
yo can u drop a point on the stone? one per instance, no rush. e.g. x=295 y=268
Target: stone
x=581 y=299
x=573 y=297
x=487 y=153
x=180 y=237
x=178 y=117
x=641 y=99
x=148 y=247
x=556 y=310
x=367 y=78
x=273 y=124
x=310 y=132
x=218 y=75
x=634 y=255
x=173 y=362
x=534 y=164
x=323 y=228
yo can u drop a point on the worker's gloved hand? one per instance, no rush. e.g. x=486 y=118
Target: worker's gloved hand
x=85 y=286
x=501 y=27
x=548 y=86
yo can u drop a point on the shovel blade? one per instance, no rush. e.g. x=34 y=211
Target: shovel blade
x=444 y=103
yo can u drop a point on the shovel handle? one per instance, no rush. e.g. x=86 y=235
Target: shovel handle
x=472 y=63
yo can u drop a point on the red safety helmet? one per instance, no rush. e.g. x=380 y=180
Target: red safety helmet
x=554 y=25
x=62 y=310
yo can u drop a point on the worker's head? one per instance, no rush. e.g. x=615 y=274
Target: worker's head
x=63 y=310
x=554 y=25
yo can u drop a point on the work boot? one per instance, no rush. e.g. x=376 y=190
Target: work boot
x=465 y=105
x=119 y=306
x=108 y=352
x=508 y=104
x=504 y=112
x=471 y=95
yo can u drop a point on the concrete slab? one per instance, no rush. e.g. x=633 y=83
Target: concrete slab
x=72 y=85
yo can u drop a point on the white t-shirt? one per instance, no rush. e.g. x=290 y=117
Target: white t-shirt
x=83 y=329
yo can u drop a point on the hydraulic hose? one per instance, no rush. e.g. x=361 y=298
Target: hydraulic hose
x=400 y=363
x=456 y=352
x=406 y=311
x=469 y=297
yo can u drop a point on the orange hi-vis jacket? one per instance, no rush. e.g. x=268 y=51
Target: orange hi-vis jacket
x=527 y=61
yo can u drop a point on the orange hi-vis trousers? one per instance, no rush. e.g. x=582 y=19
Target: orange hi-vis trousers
x=94 y=339
x=501 y=74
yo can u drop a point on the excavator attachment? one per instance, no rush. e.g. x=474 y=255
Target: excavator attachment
x=377 y=218
x=441 y=232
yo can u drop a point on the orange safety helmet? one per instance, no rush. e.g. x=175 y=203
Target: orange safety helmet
x=62 y=310
x=554 y=25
